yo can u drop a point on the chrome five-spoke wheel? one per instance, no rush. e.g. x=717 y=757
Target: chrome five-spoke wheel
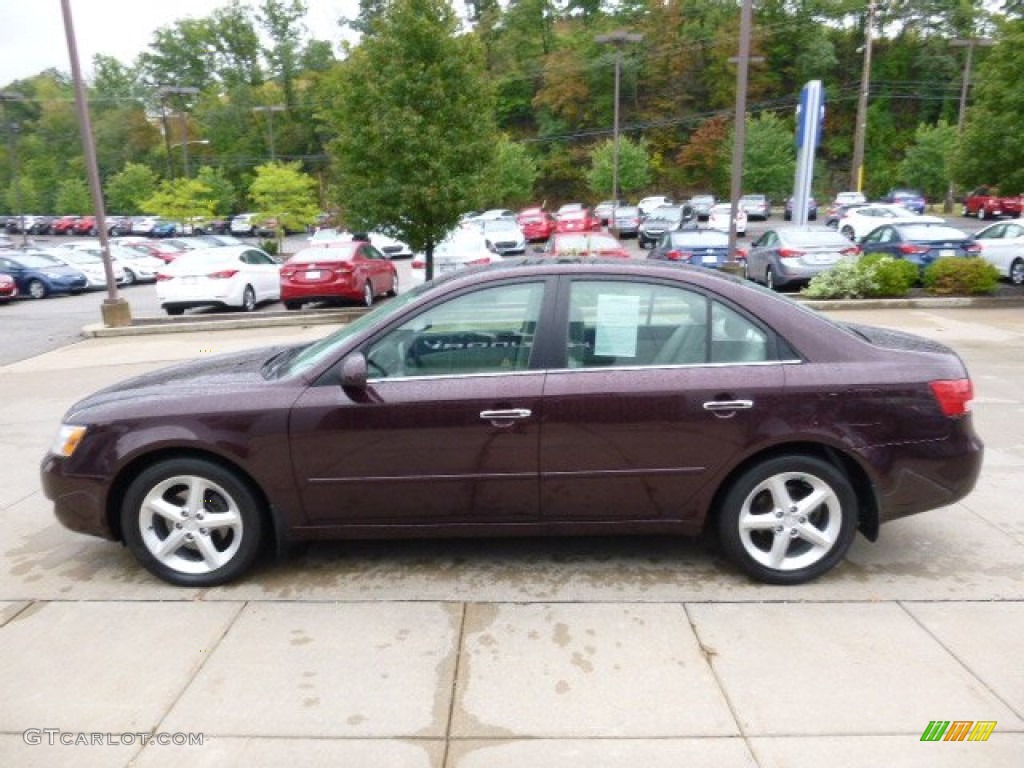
x=191 y=522
x=788 y=520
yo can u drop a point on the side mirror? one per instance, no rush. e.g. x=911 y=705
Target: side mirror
x=354 y=371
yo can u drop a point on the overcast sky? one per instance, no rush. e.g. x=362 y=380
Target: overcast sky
x=32 y=34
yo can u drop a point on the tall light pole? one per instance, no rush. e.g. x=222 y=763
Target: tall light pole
x=618 y=38
x=183 y=144
x=861 y=127
x=12 y=152
x=270 y=123
x=969 y=44
x=114 y=310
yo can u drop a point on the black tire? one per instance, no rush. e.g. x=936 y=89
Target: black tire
x=982 y=213
x=394 y=287
x=37 y=289
x=367 y=294
x=175 y=311
x=778 y=541
x=1017 y=272
x=848 y=232
x=215 y=544
x=769 y=279
x=248 y=299
x=129 y=277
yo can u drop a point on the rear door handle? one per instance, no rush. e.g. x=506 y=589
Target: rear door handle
x=728 y=406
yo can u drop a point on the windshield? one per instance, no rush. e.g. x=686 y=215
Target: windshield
x=38 y=260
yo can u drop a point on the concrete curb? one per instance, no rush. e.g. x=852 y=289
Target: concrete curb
x=148 y=326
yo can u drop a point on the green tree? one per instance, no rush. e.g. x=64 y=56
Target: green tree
x=634 y=167
x=926 y=164
x=181 y=200
x=769 y=157
x=512 y=177
x=127 y=190
x=73 y=197
x=222 y=191
x=414 y=116
x=284 y=193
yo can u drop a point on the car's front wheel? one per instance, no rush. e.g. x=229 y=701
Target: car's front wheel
x=789 y=519
x=1017 y=272
x=248 y=299
x=192 y=522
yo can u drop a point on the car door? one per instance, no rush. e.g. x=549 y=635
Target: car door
x=377 y=267
x=266 y=275
x=883 y=239
x=662 y=388
x=1001 y=243
x=757 y=259
x=447 y=429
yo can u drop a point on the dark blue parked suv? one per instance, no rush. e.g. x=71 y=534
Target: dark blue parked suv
x=911 y=199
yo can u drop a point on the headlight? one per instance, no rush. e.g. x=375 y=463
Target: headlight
x=67 y=440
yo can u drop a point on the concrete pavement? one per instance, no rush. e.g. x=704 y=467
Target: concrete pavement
x=487 y=654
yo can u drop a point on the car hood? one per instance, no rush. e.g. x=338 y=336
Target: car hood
x=198 y=378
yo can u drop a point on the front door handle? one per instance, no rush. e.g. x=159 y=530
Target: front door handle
x=506 y=416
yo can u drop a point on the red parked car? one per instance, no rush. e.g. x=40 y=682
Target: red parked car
x=349 y=270
x=8 y=288
x=86 y=225
x=524 y=398
x=596 y=244
x=64 y=225
x=536 y=223
x=577 y=220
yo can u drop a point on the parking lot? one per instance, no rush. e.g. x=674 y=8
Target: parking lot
x=555 y=652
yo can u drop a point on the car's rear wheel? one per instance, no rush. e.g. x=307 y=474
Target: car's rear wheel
x=847 y=232
x=769 y=279
x=789 y=519
x=37 y=289
x=192 y=522
x=368 y=294
x=129 y=277
x=1017 y=272
x=394 y=286
x=248 y=299
x=982 y=213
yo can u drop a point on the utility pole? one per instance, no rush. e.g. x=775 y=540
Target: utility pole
x=742 y=61
x=861 y=127
x=969 y=44
x=617 y=38
x=12 y=152
x=270 y=124
x=163 y=92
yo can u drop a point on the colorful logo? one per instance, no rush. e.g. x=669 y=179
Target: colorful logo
x=958 y=730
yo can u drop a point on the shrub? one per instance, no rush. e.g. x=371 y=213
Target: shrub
x=951 y=276
x=892 y=277
x=846 y=280
x=269 y=246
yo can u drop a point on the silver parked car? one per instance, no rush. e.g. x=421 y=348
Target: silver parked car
x=626 y=222
x=791 y=255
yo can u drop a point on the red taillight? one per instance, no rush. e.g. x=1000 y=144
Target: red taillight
x=910 y=249
x=223 y=274
x=418 y=264
x=288 y=272
x=851 y=252
x=973 y=248
x=790 y=253
x=953 y=395
x=477 y=262
x=679 y=255
x=161 y=276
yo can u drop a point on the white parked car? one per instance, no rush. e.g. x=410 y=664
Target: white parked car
x=857 y=222
x=136 y=266
x=464 y=247
x=648 y=204
x=718 y=218
x=504 y=236
x=389 y=246
x=143 y=225
x=90 y=264
x=237 y=276
x=243 y=224
x=849 y=198
x=1002 y=245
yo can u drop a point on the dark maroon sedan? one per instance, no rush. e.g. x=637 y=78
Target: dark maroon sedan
x=531 y=397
